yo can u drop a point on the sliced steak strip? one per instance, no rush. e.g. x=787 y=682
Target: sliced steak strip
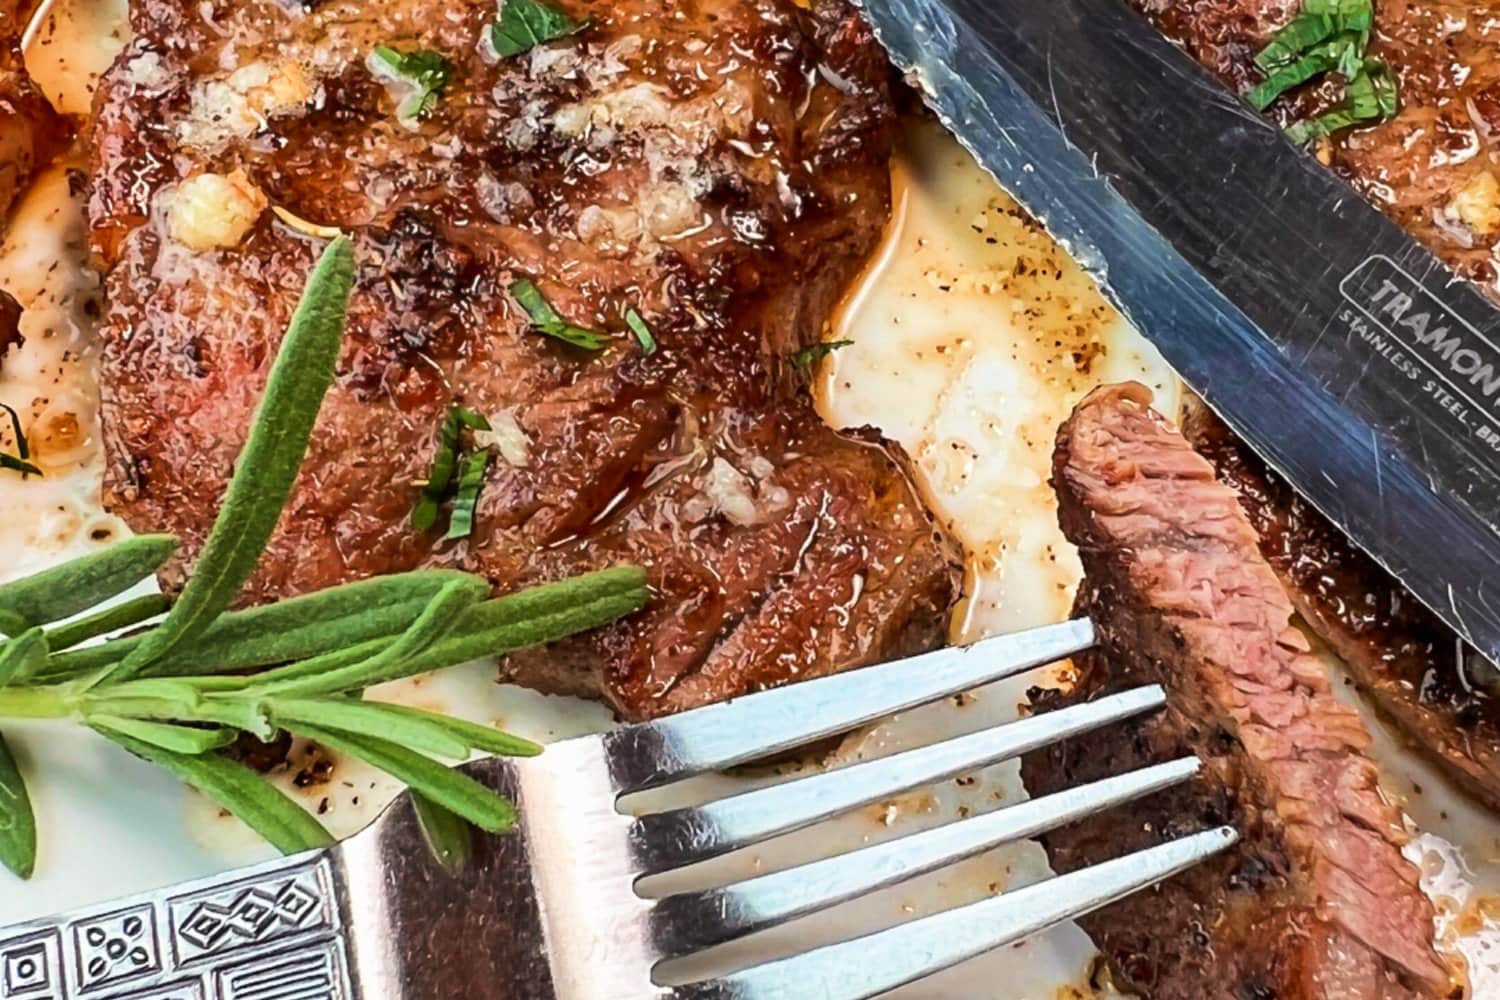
x=721 y=166
x=1413 y=666
x=1317 y=903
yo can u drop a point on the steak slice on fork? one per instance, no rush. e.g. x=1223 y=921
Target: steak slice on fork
x=1317 y=902
x=720 y=167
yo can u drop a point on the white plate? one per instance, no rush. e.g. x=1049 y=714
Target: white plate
x=967 y=359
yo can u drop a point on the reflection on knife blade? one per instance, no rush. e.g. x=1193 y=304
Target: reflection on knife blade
x=1347 y=355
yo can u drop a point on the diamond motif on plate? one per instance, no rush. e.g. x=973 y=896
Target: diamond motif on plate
x=246 y=914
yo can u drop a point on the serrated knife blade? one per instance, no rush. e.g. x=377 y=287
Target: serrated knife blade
x=1348 y=356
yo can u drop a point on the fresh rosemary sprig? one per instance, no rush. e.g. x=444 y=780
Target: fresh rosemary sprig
x=177 y=694
x=268 y=464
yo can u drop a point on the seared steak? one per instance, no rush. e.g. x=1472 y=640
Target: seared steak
x=31 y=133
x=1317 y=903
x=1435 y=168
x=721 y=166
x=1412 y=665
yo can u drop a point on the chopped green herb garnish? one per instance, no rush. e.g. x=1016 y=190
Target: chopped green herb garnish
x=1319 y=21
x=641 y=329
x=808 y=358
x=461 y=522
x=18 y=462
x=423 y=73
x=1371 y=97
x=1339 y=53
x=525 y=24
x=547 y=320
x=425 y=514
x=1300 y=34
x=1328 y=35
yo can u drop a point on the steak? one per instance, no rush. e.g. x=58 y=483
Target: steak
x=1316 y=901
x=1413 y=666
x=720 y=166
x=1434 y=168
x=31 y=133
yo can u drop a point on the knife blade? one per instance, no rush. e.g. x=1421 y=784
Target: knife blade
x=1352 y=360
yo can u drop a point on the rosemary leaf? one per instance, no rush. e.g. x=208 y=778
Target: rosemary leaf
x=292 y=629
x=12 y=624
x=268 y=465
x=82 y=584
x=451 y=789
x=536 y=631
x=473 y=735
x=531 y=617
x=123 y=615
x=345 y=670
x=258 y=803
x=22 y=657
x=17 y=822
x=449 y=837
x=178 y=739
x=366 y=718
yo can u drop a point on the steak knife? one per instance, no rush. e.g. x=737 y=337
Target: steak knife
x=1357 y=364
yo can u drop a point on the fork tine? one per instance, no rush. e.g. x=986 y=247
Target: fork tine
x=691 y=921
x=876 y=963
x=763 y=724
x=660 y=841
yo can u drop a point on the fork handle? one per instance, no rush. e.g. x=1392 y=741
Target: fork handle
x=270 y=931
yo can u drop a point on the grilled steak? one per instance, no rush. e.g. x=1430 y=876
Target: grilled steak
x=1435 y=168
x=719 y=166
x=1317 y=902
x=1413 y=666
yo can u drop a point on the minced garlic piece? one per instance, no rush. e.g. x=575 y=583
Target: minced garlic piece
x=243 y=104
x=1477 y=204
x=508 y=437
x=213 y=211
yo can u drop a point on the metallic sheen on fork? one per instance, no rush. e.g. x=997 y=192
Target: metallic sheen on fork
x=551 y=910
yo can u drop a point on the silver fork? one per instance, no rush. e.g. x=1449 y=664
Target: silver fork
x=552 y=910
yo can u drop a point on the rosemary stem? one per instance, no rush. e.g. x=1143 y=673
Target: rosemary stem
x=35 y=703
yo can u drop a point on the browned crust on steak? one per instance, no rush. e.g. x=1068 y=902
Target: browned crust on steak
x=720 y=165
x=1317 y=902
x=1412 y=665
